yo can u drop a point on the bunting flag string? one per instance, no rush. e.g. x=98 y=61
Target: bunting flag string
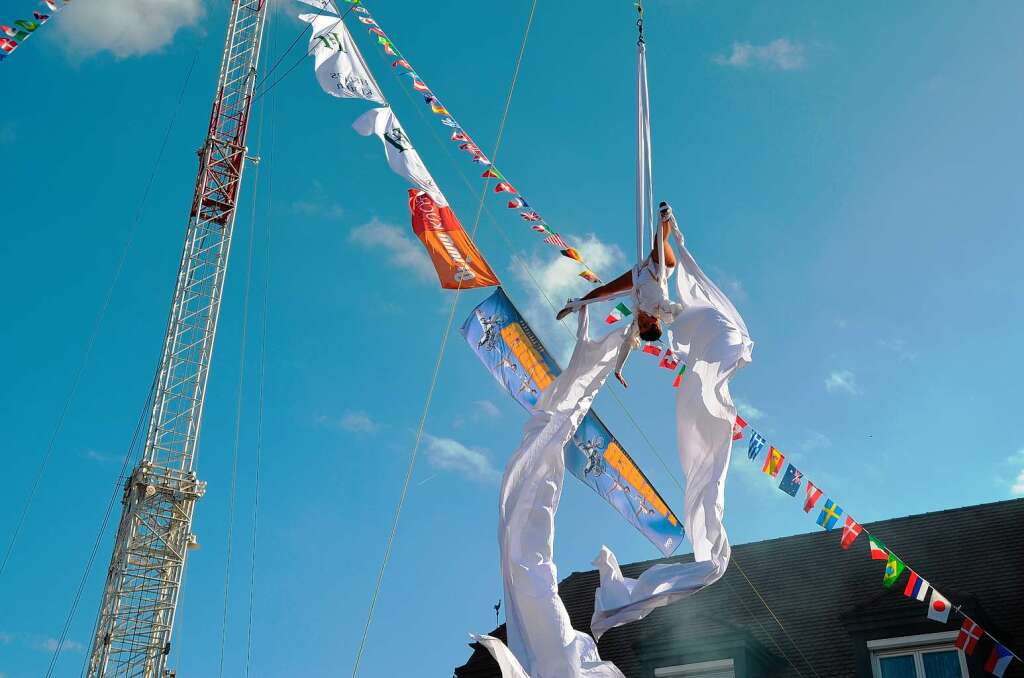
x=462 y=136
x=14 y=36
x=916 y=587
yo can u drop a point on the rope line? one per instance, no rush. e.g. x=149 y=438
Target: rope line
x=261 y=378
x=98 y=322
x=615 y=396
x=440 y=359
x=239 y=397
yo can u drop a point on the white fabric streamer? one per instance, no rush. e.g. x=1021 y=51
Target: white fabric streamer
x=340 y=68
x=540 y=634
x=402 y=157
x=709 y=335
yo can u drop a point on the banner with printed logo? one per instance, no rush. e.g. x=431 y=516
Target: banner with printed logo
x=514 y=355
x=458 y=262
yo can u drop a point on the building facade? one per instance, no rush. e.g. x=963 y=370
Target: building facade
x=803 y=607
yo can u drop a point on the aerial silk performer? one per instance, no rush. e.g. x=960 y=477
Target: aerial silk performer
x=705 y=331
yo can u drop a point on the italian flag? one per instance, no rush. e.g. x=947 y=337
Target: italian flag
x=679 y=377
x=878 y=550
x=618 y=313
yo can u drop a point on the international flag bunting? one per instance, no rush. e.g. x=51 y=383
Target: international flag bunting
x=51 y=4
x=737 y=428
x=386 y=44
x=813 y=495
x=40 y=17
x=450 y=122
x=571 y=253
x=618 y=313
x=830 y=515
x=7 y=46
x=481 y=159
x=504 y=187
x=530 y=216
x=969 y=635
x=368 y=20
x=378 y=32
x=419 y=85
x=652 y=350
x=773 y=462
x=491 y=173
x=589 y=276
x=893 y=569
x=938 y=607
x=998 y=660
x=401 y=62
x=517 y=203
x=556 y=241
x=669 y=361
x=757 y=443
x=9 y=31
x=851 y=531
x=877 y=549
x=436 y=107
x=541 y=228
x=916 y=587
x=791 y=480
x=679 y=377
x=459 y=135
x=469 y=147
x=361 y=10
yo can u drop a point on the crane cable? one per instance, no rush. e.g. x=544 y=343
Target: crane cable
x=440 y=356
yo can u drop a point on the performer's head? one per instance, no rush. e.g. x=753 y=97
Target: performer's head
x=649 y=326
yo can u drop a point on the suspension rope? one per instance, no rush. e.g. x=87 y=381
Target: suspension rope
x=261 y=378
x=440 y=358
x=97 y=323
x=615 y=396
x=239 y=394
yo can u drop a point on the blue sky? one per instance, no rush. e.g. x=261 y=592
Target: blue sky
x=851 y=176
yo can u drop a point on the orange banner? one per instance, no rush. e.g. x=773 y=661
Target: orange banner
x=457 y=260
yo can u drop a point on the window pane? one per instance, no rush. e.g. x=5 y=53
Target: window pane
x=898 y=667
x=944 y=664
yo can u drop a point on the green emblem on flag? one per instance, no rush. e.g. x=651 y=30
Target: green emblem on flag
x=893 y=570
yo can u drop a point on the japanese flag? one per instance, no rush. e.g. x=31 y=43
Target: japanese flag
x=938 y=607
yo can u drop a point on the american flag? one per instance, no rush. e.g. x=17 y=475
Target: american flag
x=556 y=240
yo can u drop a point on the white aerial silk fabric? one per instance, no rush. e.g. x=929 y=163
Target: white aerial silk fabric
x=339 y=65
x=540 y=635
x=402 y=157
x=708 y=334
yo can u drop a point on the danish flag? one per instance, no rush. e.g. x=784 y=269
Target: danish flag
x=970 y=633
x=737 y=428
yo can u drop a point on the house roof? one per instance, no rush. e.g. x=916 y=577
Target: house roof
x=821 y=595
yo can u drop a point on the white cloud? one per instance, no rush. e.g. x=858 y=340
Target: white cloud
x=1017 y=488
x=125 y=29
x=747 y=410
x=815 y=441
x=842 y=380
x=51 y=644
x=731 y=285
x=317 y=204
x=899 y=348
x=447 y=454
x=402 y=251
x=93 y=455
x=558 y=279
x=487 y=409
x=1018 y=485
x=780 y=54
x=355 y=421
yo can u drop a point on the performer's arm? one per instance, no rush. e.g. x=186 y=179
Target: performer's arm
x=623 y=283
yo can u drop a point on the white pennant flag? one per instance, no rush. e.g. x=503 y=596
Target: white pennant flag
x=402 y=157
x=340 y=68
x=325 y=5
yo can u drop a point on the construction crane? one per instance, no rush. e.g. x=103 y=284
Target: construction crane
x=136 y=618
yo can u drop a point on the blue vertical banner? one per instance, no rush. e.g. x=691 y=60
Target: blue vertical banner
x=514 y=355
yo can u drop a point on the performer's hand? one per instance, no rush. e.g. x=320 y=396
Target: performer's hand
x=622 y=380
